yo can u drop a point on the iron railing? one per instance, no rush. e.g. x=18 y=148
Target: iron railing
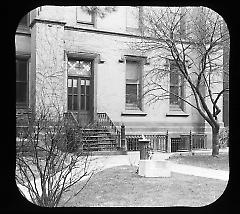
x=104 y=121
x=189 y=142
x=158 y=142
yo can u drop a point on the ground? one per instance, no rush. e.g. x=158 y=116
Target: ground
x=122 y=186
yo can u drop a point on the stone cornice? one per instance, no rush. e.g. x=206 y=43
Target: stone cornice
x=100 y=31
x=46 y=21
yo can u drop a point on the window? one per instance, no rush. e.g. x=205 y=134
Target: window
x=133 y=17
x=132 y=85
x=24 y=22
x=176 y=87
x=84 y=17
x=79 y=85
x=22 y=83
x=177 y=20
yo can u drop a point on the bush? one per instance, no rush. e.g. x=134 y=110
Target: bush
x=48 y=162
x=224 y=137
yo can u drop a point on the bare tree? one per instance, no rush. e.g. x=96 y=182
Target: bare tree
x=49 y=159
x=188 y=42
x=51 y=154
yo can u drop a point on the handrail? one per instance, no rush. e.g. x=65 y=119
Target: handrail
x=105 y=121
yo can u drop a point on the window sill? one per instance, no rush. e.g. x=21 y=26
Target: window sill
x=86 y=23
x=177 y=114
x=133 y=113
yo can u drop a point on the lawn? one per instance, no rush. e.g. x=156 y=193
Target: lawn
x=122 y=186
x=203 y=160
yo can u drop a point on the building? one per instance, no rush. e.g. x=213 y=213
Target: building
x=84 y=65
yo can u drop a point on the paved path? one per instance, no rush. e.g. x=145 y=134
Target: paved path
x=133 y=159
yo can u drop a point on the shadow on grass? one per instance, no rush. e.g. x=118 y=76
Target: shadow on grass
x=204 y=160
x=122 y=186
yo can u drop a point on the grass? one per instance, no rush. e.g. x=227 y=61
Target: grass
x=204 y=160
x=122 y=186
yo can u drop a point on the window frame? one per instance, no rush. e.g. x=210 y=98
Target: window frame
x=181 y=89
x=181 y=26
x=79 y=21
x=23 y=105
x=23 y=26
x=79 y=77
x=130 y=28
x=138 y=83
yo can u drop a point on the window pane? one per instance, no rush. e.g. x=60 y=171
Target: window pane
x=133 y=17
x=131 y=93
x=131 y=70
x=24 y=20
x=70 y=102
x=82 y=82
x=87 y=82
x=87 y=103
x=173 y=98
x=69 y=90
x=69 y=82
x=75 y=83
x=21 y=92
x=21 y=70
x=75 y=103
x=75 y=91
x=83 y=16
x=82 y=102
x=82 y=89
x=174 y=78
x=87 y=89
x=78 y=67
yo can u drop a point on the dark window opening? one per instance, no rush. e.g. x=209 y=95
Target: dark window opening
x=22 y=82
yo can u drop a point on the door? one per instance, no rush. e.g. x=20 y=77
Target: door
x=79 y=88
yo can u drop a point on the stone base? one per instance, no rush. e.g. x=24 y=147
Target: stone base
x=154 y=168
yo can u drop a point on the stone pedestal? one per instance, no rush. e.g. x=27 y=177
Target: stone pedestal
x=154 y=168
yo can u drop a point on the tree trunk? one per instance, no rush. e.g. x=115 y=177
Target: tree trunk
x=215 y=141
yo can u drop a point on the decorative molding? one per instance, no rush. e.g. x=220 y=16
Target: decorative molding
x=83 y=55
x=135 y=58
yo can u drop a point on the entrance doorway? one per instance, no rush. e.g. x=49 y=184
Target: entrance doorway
x=80 y=88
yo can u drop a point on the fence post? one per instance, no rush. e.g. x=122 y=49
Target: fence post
x=166 y=143
x=123 y=137
x=190 y=141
